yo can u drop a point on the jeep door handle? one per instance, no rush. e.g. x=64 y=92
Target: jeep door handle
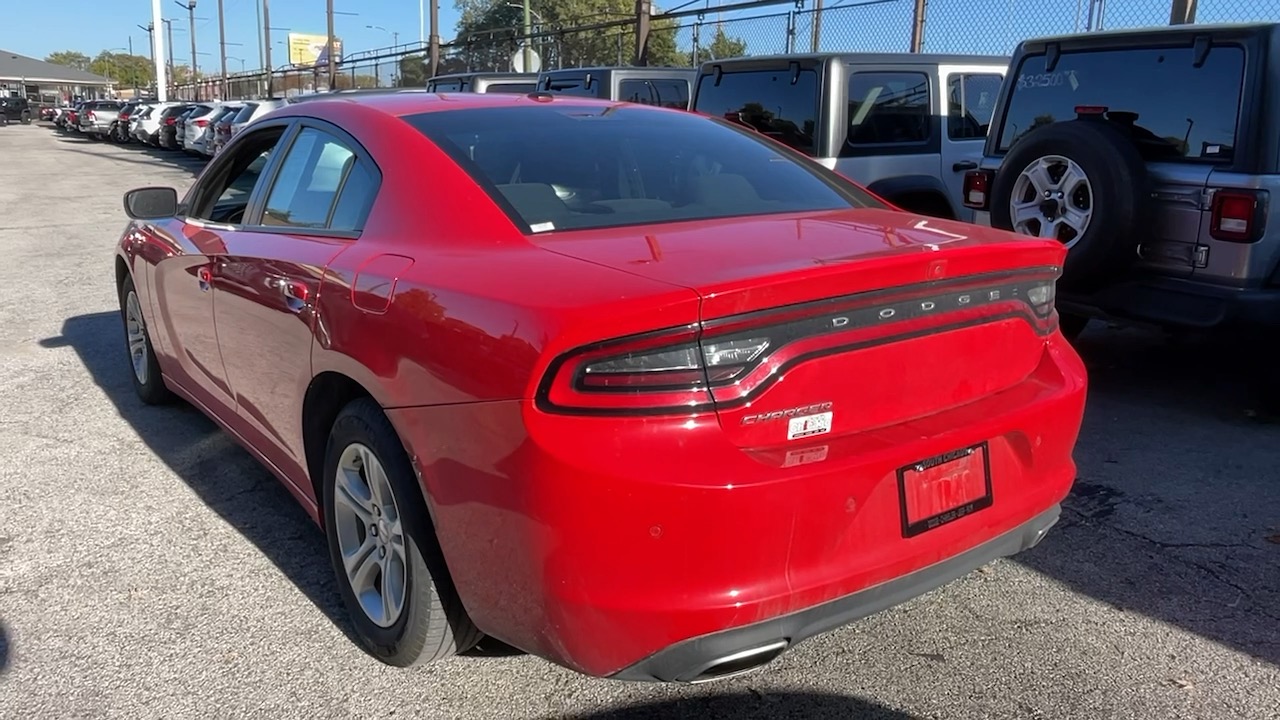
x=964 y=165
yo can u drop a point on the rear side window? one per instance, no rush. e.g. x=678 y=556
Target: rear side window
x=564 y=167
x=663 y=93
x=446 y=86
x=245 y=113
x=888 y=108
x=1175 y=111
x=516 y=88
x=768 y=101
x=310 y=179
x=971 y=100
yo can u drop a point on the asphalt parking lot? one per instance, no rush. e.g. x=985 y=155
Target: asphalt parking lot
x=149 y=568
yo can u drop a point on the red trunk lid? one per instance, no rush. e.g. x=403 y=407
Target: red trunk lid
x=845 y=321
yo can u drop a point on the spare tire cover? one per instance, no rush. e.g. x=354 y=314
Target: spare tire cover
x=1082 y=182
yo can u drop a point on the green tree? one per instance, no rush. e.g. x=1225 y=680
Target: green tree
x=489 y=32
x=413 y=71
x=127 y=70
x=722 y=46
x=69 y=58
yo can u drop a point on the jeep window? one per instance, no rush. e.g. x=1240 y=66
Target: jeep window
x=1174 y=110
x=575 y=85
x=888 y=108
x=443 y=86
x=665 y=93
x=766 y=100
x=971 y=99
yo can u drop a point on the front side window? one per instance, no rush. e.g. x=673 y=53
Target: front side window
x=766 y=100
x=1173 y=109
x=564 y=167
x=223 y=195
x=887 y=108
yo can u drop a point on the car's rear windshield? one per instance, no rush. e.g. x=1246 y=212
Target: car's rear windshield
x=768 y=100
x=572 y=167
x=1179 y=112
x=512 y=87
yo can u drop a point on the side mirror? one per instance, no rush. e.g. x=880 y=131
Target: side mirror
x=151 y=203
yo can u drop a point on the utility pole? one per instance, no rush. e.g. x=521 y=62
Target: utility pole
x=169 y=28
x=644 y=8
x=435 y=37
x=422 y=24
x=917 y=26
x=190 y=7
x=1182 y=12
x=817 y=25
x=333 y=70
x=151 y=50
x=525 y=43
x=266 y=44
x=222 y=49
x=162 y=82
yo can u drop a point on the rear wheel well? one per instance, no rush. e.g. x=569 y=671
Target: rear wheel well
x=924 y=202
x=122 y=272
x=328 y=393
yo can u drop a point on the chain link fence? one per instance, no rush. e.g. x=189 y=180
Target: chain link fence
x=691 y=37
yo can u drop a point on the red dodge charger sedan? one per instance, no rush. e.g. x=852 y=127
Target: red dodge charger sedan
x=641 y=392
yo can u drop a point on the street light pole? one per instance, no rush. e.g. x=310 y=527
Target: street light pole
x=222 y=49
x=528 y=46
x=333 y=69
x=266 y=44
x=190 y=7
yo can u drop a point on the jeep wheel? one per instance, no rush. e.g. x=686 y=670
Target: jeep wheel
x=1082 y=183
x=26 y=117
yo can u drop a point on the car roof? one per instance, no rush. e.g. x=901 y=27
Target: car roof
x=1150 y=32
x=400 y=104
x=645 y=69
x=867 y=58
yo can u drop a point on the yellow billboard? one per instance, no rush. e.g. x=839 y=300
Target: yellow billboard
x=307 y=50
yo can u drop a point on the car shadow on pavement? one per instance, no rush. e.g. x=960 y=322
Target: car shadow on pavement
x=751 y=705
x=1175 y=513
x=177 y=160
x=223 y=475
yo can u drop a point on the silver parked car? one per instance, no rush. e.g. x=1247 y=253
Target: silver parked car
x=97 y=117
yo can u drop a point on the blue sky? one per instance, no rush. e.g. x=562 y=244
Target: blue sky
x=39 y=27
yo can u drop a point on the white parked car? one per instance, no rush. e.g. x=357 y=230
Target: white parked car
x=193 y=132
x=145 y=125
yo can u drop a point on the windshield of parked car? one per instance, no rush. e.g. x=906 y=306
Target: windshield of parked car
x=569 y=167
x=1174 y=109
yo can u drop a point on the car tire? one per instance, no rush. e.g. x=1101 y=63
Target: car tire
x=144 y=367
x=1114 y=184
x=398 y=592
x=26 y=118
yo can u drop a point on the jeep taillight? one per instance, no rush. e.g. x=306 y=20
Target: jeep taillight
x=977 y=189
x=1238 y=215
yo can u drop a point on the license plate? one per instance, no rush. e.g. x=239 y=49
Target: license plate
x=944 y=489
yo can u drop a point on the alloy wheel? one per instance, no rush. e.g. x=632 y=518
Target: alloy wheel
x=1052 y=198
x=370 y=535
x=136 y=333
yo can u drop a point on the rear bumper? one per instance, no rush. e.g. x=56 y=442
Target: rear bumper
x=612 y=545
x=750 y=646
x=1180 y=303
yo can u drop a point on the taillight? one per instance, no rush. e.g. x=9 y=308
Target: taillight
x=169 y=121
x=1238 y=215
x=730 y=360
x=201 y=123
x=91 y=116
x=977 y=189
x=660 y=371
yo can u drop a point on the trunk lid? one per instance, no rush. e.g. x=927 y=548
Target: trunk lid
x=841 y=322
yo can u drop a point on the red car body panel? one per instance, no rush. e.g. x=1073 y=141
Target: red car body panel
x=596 y=540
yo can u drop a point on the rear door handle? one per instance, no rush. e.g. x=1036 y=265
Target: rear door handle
x=295 y=293
x=205 y=277
x=964 y=165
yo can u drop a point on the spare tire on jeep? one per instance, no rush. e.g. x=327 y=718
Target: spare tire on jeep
x=1082 y=182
